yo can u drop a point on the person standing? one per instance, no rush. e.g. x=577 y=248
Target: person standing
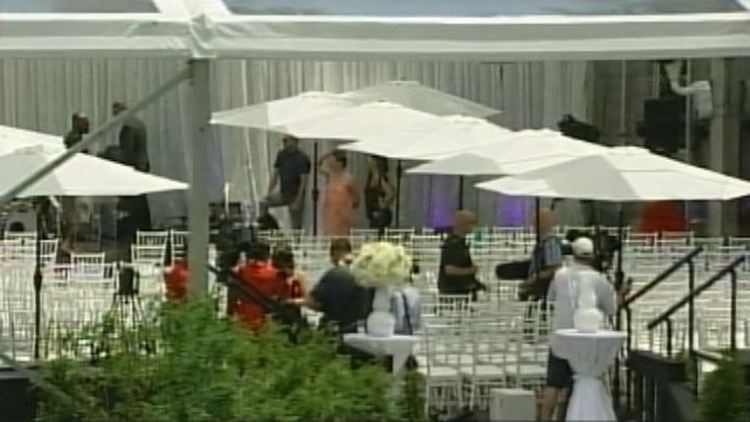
x=340 y=197
x=291 y=169
x=79 y=127
x=458 y=274
x=564 y=292
x=546 y=259
x=379 y=194
x=134 y=212
x=132 y=140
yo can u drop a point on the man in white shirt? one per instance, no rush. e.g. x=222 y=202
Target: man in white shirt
x=564 y=292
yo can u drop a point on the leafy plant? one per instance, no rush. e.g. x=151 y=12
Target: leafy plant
x=186 y=364
x=725 y=396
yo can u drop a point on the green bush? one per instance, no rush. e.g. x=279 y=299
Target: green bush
x=725 y=396
x=186 y=364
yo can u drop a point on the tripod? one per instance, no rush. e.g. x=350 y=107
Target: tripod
x=125 y=302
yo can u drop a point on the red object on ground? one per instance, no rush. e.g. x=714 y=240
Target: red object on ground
x=265 y=279
x=662 y=216
x=176 y=279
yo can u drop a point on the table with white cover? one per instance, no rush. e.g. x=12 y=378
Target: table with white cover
x=589 y=355
x=400 y=347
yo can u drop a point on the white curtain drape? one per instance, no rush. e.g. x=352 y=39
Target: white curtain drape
x=42 y=94
x=532 y=95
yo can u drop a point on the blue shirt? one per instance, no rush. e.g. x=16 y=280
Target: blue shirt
x=548 y=253
x=291 y=165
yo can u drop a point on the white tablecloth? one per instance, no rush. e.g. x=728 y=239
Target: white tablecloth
x=399 y=347
x=589 y=355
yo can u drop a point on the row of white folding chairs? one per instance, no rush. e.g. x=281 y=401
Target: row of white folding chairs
x=20 y=251
x=467 y=348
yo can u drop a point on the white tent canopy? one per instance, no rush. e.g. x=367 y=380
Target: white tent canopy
x=479 y=29
x=111 y=28
x=356 y=29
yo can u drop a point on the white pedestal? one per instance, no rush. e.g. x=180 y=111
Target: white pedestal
x=512 y=405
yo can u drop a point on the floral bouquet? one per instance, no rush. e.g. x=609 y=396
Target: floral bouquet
x=381 y=265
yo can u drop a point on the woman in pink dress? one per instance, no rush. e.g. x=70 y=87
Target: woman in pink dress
x=340 y=197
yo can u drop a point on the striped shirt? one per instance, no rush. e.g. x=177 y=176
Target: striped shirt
x=548 y=253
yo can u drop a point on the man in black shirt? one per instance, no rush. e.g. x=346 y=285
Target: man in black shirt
x=79 y=127
x=337 y=295
x=290 y=172
x=458 y=275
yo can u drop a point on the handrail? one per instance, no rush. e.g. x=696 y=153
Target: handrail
x=728 y=270
x=625 y=307
x=662 y=276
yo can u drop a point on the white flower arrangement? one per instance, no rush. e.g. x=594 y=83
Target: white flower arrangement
x=381 y=265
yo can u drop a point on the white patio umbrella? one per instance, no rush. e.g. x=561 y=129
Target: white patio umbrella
x=276 y=114
x=512 y=154
x=272 y=115
x=361 y=122
x=623 y=174
x=319 y=113
x=449 y=135
x=82 y=175
x=414 y=95
x=12 y=138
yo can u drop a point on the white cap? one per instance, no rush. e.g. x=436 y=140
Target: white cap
x=583 y=247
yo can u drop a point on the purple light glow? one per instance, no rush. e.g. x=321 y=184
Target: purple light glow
x=511 y=211
x=439 y=207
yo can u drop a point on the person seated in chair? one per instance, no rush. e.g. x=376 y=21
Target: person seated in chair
x=176 y=279
x=263 y=277
x=338 y=296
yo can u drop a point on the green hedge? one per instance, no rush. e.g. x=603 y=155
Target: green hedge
x=186 y=364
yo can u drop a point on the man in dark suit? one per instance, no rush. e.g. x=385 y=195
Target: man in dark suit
x=133 y=151
x=133 y=140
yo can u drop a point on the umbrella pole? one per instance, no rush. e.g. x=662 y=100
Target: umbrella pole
x=538 y=206
x=619 y=274
x=38 y=281
x=315 y=191
x=399 y=174
x=460 y=192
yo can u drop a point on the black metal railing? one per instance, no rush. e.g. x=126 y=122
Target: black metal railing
x=731 y=271
x=625 y=308
x=661 y=392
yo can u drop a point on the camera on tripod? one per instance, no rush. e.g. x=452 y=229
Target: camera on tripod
x=128 y=281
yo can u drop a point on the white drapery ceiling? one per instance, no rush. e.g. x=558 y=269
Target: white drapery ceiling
x=484 y=30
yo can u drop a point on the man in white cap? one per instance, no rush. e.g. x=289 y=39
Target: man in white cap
x=563 y=293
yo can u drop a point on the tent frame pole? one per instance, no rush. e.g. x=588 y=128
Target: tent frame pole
x=198 y=204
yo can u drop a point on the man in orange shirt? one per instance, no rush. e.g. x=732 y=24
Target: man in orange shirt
x=260 y=275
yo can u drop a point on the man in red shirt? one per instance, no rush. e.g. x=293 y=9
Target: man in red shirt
x=260 y=274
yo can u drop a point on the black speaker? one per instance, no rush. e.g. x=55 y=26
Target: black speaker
x=663 y=126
